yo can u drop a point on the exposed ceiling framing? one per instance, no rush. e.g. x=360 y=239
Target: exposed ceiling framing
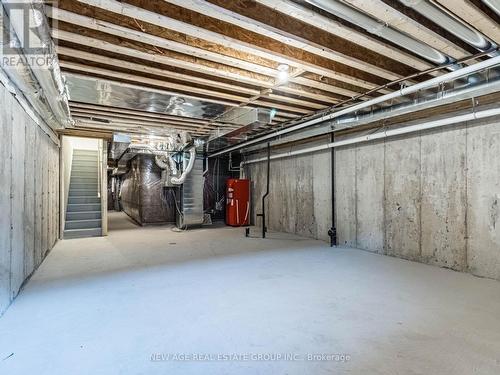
x=227 y=54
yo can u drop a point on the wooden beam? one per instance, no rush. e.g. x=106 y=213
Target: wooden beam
x=116 y=63
x=135 y=113
x=312 y=18
x=263 y=20
x=473 y=16
x=112 y=21
x=142 y=37
x=87 y=133
x=130 y=127
x=203 y=27
x=78 y=54
x=185 y=89
x=148 y=84
x=399 y=21
x=217 y=72
x=97 y=120
x=428 y=23
x=283 y=116
x=146 y=120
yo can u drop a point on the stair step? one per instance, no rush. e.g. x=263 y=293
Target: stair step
x=82 y=185
x=78 y=154
x=84 y=150
x=84 y=163
x=89 y=190
x=86 y=175
x=83 y=199
x=85 y=158
x=86 y=168
x=82 y=193
x=81 y=233
x=83 y=180
x=83 y=207
x=83 y=224
x=83 y=215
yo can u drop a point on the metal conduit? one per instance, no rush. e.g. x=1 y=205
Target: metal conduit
x=494 y=5
x=385 y=134
x=380 y=29
x=491 y=62
x=450 y=23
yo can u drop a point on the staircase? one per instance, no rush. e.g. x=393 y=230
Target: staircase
x=83 y=212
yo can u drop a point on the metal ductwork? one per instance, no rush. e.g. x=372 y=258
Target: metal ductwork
x=180 y=180
x=123 y=149
x=119 y=145
x=442 y=18
x=419 y=87
x=494 y=5
x=380 y=29
x=483 y=114
x=35 y=67
x=166 y=162
x=246 y=119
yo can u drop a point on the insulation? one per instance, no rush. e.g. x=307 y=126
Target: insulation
x=143 y=196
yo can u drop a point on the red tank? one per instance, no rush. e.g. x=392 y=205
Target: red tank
x=237 y=202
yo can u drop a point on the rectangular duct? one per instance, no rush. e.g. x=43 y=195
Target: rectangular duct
x=190 y=196
x=246 y=119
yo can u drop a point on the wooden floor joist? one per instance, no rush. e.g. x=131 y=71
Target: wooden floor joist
x=230 y=53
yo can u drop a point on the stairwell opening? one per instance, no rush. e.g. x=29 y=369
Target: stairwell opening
x=81 y=190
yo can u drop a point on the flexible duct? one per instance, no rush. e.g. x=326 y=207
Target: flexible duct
x=448 y=22
x=38 y=82
x=180 y=180
x=375 y=27
x=166 y=162
x=163 y=159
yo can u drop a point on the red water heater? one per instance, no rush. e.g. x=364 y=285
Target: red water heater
x=237 y=202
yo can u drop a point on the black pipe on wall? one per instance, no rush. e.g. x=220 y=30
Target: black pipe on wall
x=263 y=214
x=332 y=232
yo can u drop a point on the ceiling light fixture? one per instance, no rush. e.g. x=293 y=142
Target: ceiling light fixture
x=282 y=76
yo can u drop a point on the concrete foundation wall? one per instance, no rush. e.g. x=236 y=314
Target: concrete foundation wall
x=300 y=194
x=430 y=197
x=29 y=196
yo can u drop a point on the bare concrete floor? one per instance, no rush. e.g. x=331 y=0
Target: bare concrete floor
x=106 y=305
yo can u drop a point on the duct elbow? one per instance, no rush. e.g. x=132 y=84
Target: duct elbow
x=180 y=180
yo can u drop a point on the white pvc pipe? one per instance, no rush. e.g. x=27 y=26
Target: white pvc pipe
x=385 y=134
x=402 y=92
